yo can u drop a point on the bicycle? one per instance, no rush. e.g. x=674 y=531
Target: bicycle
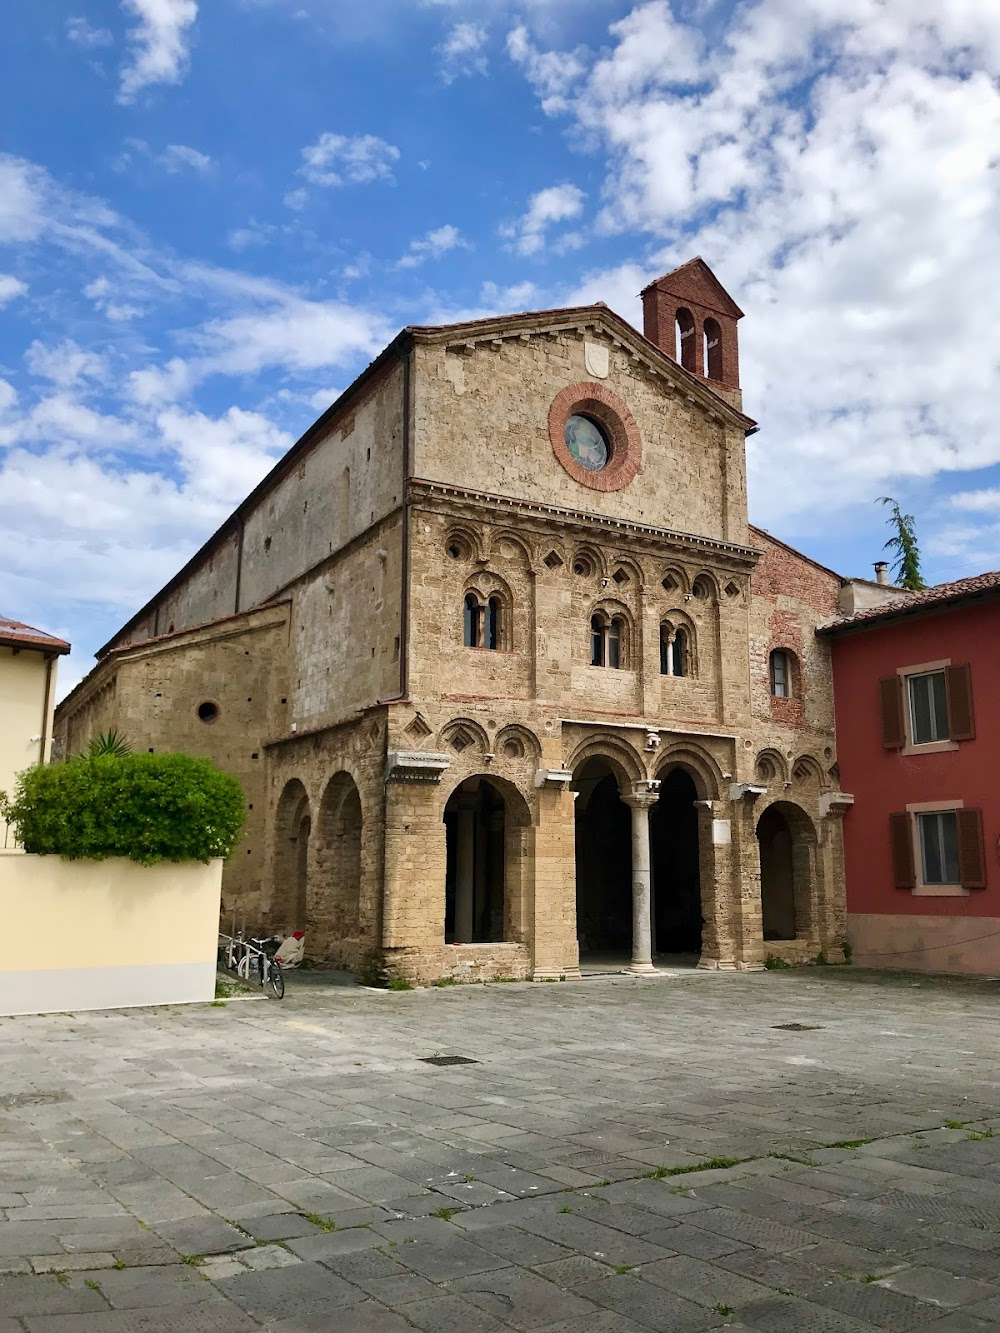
x=260 y=958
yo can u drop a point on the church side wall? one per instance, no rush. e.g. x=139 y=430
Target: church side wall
x=343 y=484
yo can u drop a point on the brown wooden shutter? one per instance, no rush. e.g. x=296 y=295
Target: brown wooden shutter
x=971 y=858
x=901 y=840
x=891 y=694
x=958 y=685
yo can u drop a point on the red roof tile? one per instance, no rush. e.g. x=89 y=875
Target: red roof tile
x=930 y=599
x=15 y=634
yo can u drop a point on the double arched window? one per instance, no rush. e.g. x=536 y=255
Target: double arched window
x=675 y=650
x=608 y=640
x=483 y=621
x=702 y=355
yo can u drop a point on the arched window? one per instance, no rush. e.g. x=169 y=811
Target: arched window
x=483 y=622
x=491 y=635
x=675 y=650
x=615 y=643
x=473 y=620
x=713 y=350
x=782 y=674
x=596 y=641
x=685 y=339
x=608 y=641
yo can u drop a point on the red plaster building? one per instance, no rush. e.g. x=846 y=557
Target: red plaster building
x=918 y=737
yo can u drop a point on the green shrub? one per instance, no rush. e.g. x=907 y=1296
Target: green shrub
x=774 y=963
x=147 y=807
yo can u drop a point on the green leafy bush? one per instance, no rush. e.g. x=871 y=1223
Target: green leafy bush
x=147 y=807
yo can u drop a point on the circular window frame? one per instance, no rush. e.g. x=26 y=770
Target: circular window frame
x=216 y=713
x=612 y=416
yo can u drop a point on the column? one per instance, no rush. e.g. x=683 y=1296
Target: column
x=465 y=872
x=642 y=931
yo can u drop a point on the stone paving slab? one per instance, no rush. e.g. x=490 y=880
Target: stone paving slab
x=157 y=1172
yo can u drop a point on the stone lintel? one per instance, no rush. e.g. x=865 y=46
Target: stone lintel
x=415 y=766
x=834 y=802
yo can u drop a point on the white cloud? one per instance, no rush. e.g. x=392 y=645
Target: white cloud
x=179 y=157
x=978 y=502
x=493 y=300
x=81 y=33
x=432 y=246
x=337 y=159
x=254 y=233
x=836 y=163
x=298 y=335
x=159 y=44
x=65 y=363
x=462 y=51
x=557 y=203
x=100 y=292
x=296 y=199
x=10 y=287
x=223 y=457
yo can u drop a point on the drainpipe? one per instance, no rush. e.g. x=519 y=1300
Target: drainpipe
x=50 y=662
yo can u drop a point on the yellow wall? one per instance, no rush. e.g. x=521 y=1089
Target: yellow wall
x=113 y=913
x=23 y=705
x=106 y=934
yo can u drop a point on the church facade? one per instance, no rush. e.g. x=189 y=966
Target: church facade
x=508 y=678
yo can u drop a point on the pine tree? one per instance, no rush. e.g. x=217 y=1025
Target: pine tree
x=906 y=565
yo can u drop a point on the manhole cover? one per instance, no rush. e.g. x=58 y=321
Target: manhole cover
x=15 y=1100
x=798 y=1027
x=447 y=1060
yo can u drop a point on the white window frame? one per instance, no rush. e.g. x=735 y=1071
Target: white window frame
x=920 y=889
x=911 y=746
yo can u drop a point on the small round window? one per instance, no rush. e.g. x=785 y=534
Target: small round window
x=208 y=712
x=586 y=442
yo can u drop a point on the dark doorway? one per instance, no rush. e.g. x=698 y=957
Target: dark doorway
x=475 y=827
x=777 y=876
x=603 y=863
x=673 y=836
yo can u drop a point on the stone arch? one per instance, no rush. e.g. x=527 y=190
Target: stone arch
x=487 y=826
x=705 y=588
x=620 y=757
x=515 y=742
x=335 y=893
x=463 y=543
x=787 y=844
x=588 y=561
x=700 y=766
x=292 y=830
x=462 y=735
x=771 y=767
x=520 y=548
x=675 y=579
x=634 y=577
x=807 y=771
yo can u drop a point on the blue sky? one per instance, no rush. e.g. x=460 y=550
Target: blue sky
x=213 y=215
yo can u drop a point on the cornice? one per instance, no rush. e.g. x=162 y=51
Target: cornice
x=418 y=489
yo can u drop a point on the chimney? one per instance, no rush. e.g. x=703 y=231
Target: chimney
x=882 y=573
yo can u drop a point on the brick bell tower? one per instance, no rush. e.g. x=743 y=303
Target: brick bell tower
x=689 y=315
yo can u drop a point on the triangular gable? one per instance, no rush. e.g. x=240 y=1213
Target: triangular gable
x=689 y=282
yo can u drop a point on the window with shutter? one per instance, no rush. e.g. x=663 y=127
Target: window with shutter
x=893 y=731
x=958 y=689
x=971 y=853
x=901 y=844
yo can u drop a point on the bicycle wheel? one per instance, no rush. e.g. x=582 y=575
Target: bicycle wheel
x=277 y=979
x=243 y=967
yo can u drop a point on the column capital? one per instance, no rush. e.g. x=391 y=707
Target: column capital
x=834 y=803
x=643 y=794
x=415 y=766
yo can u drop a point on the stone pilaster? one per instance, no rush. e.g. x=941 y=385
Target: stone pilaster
x=640 y=800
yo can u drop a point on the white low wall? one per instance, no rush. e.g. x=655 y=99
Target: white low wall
x=106 y=934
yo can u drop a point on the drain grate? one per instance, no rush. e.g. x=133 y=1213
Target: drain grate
x=447 y=1060
x=798 y=1027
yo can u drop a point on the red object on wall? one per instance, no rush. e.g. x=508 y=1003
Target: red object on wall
x=883 y=779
